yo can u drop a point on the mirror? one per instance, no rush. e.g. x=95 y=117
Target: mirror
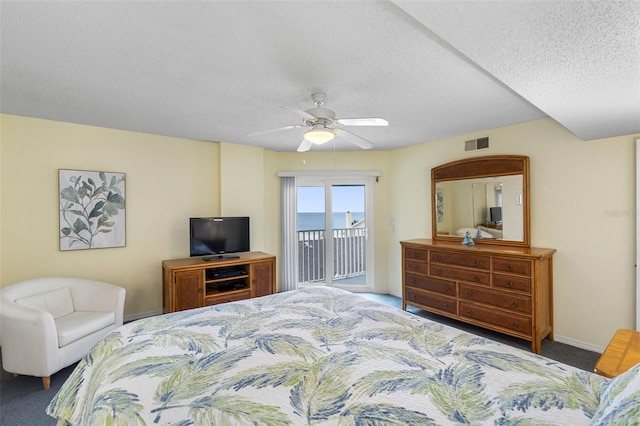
x=486 y=194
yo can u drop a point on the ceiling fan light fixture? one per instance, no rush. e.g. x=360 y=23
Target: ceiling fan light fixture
x=319 y=135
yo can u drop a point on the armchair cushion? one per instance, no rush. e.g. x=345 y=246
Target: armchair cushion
x=77 y=325
x=57 y=302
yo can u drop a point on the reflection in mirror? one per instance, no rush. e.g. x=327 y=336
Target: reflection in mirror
x=486 y=196
x=491 y=205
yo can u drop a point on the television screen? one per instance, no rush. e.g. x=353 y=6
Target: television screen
x=496 y=214
x=218 y=235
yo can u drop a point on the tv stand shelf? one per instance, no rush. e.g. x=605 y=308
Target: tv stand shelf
x=195 y=282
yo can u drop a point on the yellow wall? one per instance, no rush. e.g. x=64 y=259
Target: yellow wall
x=582 y=200
x=582 y=204
x=167 y=181
x=241 y=187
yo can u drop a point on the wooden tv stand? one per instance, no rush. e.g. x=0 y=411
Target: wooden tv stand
x=194 y=282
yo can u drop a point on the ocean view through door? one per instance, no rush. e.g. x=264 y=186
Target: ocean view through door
x=333 y=233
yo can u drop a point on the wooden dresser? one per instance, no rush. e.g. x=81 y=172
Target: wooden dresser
x=502 y=288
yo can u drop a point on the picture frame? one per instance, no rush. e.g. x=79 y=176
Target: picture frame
x=92 y=209
x=439 y=205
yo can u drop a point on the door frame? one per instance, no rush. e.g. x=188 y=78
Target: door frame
x=637 y=234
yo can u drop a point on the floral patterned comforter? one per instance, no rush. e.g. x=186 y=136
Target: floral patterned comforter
x=316 y=356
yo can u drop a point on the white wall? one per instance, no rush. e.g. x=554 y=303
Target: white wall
x=581 y=195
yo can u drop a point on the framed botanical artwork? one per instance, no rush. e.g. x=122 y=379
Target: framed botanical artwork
x=439 y=205
x=92 y=209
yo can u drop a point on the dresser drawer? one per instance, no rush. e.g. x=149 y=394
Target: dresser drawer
x=499 y=299
x=431 y=300
x=432 y=284
x=416 y=254
x=461 y=259
x=227 y=297
x=512 y=282
x=497 y=287
x=512 y=266
x=513 y=322
x=478 y=277
x=417 y=267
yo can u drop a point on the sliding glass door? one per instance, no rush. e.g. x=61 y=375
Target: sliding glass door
x=335 y=244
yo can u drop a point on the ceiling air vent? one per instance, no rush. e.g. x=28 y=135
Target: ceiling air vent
x=473 y=144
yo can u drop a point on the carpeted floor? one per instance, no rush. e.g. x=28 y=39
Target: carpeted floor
x=23 y=400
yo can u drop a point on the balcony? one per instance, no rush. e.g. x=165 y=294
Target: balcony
x=349 y=256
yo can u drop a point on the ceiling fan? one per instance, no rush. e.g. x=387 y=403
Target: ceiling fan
x=324 y=126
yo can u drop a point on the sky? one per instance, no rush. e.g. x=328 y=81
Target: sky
x=344 y=198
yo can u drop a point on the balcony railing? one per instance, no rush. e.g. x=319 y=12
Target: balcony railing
x=349 y=254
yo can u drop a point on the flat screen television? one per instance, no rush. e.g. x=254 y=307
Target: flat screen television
x=218 y=237
x=495 y=214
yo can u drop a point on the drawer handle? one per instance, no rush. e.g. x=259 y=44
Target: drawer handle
x=438 y=272
x=468 y=293
x=437 y=257
x=414 y=267
x=445 y=290
x=412 y=296
x=476 y=279
x=476 y=263
x=445 y=305
x=509 y=268
x=510 y=284
x=412 y=281
x=516 y=324
x=470 y=313
x=515 y=304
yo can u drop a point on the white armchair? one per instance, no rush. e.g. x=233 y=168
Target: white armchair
x=48 y=324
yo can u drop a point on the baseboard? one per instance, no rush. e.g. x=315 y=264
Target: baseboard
x=140 y=315
x=578 y=344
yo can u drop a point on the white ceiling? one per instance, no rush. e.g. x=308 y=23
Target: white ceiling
x=218 y=70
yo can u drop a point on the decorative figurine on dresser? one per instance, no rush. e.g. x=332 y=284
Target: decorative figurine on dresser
x=498 y=282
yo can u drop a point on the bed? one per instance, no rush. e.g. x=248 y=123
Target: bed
x=493 y=232
x=323 y=356
x=479 y=232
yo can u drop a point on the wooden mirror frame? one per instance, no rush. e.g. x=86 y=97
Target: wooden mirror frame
x=484 y=167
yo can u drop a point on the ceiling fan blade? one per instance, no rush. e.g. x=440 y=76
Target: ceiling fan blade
x=303 y=114
x=305 y=146
x=372 y=121
x=264 y=132
x=355 y=139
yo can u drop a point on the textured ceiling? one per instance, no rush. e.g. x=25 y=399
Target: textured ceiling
x=218 y=70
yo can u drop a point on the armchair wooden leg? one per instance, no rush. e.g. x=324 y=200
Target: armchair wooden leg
x=46 y=382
